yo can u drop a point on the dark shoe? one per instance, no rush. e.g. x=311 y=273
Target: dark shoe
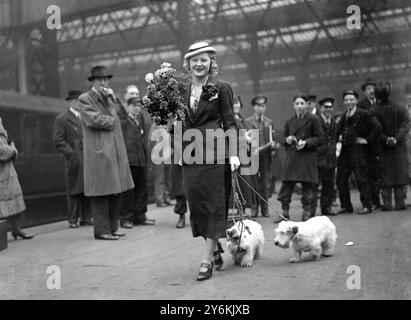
x=73 y=225
x=218 y=259
x=400 y=208
x=328 y=212
x=21 y=234
x=127 y=225
x=181 y=222
x=86 y=223
x=105 y=237
x=365 y=211
x=147 y=222
x=265 y=214
x=205 y=275
x=345 y=210
x=386 y=208
x=161 y=204
x=254 y=213
x=118 y=233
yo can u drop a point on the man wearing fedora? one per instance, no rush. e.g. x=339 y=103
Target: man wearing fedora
x=106 y=167
x=260 y=180
x=373 y=149
x=68 y=138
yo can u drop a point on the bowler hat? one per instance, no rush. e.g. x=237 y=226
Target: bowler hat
x=197 y=48
x=407 y=89
x=368 y=82
x=99 y=72
x=325 y=100
x=258 y=100
x=73 y=94
x=347 y=92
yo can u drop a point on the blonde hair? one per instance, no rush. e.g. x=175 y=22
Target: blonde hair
x=213 y=65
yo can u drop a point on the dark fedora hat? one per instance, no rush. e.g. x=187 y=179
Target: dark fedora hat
x=258 y=100
x=73 y=94
x=407 y=89
x=99 y=72
x=368 y=82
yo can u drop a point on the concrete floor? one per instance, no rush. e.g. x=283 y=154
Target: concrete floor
x=161 y=262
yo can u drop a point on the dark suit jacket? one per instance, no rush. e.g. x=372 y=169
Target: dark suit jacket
x=365 y=124
x=68 y=138
x=365 y=104
x=134 y=138
x=326 y=156
x=210 y=115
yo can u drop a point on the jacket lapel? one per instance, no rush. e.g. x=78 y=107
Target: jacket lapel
x=98 y=99
x=299 y=124
x=76 y=122
x=202 y=103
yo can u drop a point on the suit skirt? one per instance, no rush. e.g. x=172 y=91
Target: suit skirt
x=207 y=188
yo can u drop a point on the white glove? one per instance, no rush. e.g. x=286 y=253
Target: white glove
x=234 y=163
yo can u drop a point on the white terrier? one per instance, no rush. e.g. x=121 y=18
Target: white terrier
x=245 y=242
x=316 y=235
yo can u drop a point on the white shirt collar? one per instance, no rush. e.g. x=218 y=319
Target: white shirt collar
x=75 y=112
x=351 y=112
x=326 y=120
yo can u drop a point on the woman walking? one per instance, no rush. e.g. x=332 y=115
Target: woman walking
x=206 y=170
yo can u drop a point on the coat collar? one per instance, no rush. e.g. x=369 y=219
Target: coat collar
x=73 y=119
x=202 y=103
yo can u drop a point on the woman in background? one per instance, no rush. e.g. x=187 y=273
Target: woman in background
x=11 y=196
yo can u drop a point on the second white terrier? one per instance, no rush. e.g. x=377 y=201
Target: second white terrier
x=316 y=236
x=245 y=242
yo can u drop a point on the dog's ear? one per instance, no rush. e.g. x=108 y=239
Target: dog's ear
x=294 y=230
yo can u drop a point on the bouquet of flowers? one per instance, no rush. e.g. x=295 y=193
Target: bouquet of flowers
x=164 y=98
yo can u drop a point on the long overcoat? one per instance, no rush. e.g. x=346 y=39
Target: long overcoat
x=408 y=107
x=301 y=165
x=395 y=122
x=106 y=167
x=11 y=195
x=68 y=138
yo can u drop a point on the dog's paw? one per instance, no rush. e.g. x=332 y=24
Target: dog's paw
x=294 y=260
x=246 y=264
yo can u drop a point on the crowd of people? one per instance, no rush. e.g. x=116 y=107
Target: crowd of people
x=106 y=144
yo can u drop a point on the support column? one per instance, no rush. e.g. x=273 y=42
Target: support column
x=22 y=76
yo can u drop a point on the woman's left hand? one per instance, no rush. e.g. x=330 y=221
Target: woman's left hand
x=234 y=163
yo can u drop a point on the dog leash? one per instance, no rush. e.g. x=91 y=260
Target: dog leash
x=275 y=211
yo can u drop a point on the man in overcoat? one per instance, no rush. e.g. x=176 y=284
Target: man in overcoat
x=263 y=124
x=106 y=167
x=395 y=123
x=302 y=136
x=68 y=138
x=357 y=129
x=326 y=155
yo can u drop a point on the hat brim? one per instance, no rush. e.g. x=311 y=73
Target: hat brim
x=368 y=84
x=91 y=78
x=196 y=52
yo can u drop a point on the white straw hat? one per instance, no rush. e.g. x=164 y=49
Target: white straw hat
x=197 y=48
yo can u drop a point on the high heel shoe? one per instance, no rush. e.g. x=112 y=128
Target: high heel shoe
x=218 y=260
x=21 y=234
x=205 y=275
